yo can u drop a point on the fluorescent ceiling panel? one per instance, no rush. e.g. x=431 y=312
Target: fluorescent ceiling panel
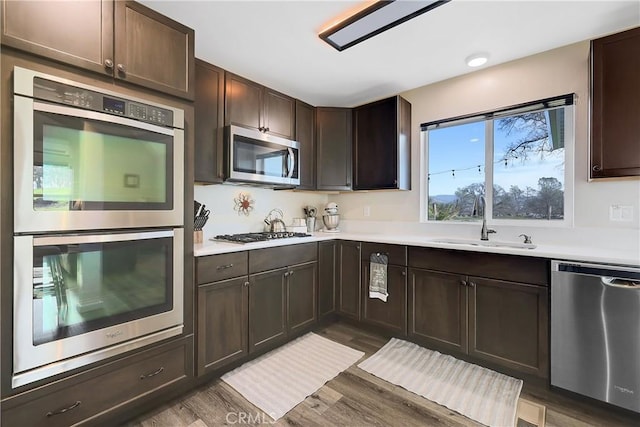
x=375 y=19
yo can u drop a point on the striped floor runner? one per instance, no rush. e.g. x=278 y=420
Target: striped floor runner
x=279 y=380
x=475 y=392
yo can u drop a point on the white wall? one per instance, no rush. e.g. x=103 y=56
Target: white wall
x=556 y=72
x=225 y=220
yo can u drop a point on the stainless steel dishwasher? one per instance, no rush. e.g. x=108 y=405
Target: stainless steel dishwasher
x=595 y=331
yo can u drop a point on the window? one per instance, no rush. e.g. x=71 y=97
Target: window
x=524 y=153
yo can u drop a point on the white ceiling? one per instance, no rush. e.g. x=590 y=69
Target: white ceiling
x=275 y=43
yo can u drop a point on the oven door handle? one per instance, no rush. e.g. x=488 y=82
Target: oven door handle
x=291 y=162
x=94 y=115
x=99 y=238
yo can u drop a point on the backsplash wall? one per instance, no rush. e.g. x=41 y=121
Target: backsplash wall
x=219 y=199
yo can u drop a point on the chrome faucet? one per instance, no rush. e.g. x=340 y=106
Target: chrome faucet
x=484 y=232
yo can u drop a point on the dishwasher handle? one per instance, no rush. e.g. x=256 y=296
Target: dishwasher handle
x=611 y=273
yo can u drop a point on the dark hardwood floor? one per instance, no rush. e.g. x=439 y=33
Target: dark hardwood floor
x=357 y=398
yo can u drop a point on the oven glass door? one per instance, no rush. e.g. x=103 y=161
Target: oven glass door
x=80 y=293
x=73 y=165
x=86 y=164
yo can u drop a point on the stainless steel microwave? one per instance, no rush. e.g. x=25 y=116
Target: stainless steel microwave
x=258 y=158
x=86 y=158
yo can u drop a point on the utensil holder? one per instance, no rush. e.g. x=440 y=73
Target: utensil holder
x=311 y=224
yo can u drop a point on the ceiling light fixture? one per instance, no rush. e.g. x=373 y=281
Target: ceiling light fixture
x=477 y=59
x=373 y=20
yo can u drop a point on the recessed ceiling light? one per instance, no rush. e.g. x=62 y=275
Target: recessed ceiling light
x=477 y=59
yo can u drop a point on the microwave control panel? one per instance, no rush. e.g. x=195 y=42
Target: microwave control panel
x=91 y=100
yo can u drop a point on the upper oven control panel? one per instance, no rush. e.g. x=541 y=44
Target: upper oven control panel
x=91 y=100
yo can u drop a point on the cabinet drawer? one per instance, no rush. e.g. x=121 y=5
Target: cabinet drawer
x=220 y=267
x=98 y=394
x=397 y=253
x=505 y=267
x=282 y=256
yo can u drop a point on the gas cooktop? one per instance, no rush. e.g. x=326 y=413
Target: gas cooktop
x=257 y=237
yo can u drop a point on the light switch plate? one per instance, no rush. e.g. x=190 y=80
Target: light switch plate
x=621 y=213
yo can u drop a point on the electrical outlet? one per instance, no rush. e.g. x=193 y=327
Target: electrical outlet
x=621 y=213
x=366 y=211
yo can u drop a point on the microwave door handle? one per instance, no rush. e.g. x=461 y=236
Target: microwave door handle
x=291 y=163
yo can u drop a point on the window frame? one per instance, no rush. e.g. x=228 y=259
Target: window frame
x=488 y=118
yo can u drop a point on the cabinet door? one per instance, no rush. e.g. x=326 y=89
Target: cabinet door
x=243 y=102
x=222 y=323
x=438 y=309
x=349 y=278
x=209 y=122
x=333 y=150
x=267 y=309
x=301 y=297
x=279 y=114
x=508 y=324
x=327 y=277
x=152 y=50
x=392 y=314
x=306 y=137
x=615 y=105
x=382 y=145
x=79 y=33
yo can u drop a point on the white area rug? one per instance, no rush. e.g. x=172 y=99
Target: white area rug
x=284 y=377
x=481 y=394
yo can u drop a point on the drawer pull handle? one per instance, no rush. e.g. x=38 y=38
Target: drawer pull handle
x=224 y=267
x=152 y=374
x=62 y=411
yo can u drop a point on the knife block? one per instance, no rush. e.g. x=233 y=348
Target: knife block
x=197 y=236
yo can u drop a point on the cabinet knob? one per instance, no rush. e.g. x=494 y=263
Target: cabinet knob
x=108 y=64
x=287 y=274
x=473 y=285
x=464 y=283
x=122 y=68
x=246 y=283
x=266 y=129
x=404 y=273
x=596 y=168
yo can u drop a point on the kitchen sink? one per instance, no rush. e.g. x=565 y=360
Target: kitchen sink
x=487 y=243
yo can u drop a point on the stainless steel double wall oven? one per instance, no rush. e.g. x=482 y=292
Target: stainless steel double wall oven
x=98 y=224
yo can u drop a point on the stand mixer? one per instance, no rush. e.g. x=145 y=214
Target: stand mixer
x=331 y=218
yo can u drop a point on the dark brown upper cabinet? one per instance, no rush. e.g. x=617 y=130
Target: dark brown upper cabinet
x=306 y=136
x=123 y=39
x=333 y=148
x=382 y=145
x=209 y=111
x=615 y=105
x=252 y=105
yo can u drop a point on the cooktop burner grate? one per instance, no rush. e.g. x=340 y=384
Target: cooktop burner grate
x=257 y=237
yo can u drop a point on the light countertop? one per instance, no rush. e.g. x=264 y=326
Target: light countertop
x=572 y=253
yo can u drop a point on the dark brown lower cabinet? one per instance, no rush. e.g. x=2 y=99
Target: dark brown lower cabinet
x=327 y=278
x=349 y=278
x=301 y=297
x=505 y=323
x=222 y=323
x=267 y=309
x=508 y=324
x=438 y=309
x=95 y=394
x=392 y=314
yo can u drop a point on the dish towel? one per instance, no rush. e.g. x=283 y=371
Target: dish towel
x=378 y=276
